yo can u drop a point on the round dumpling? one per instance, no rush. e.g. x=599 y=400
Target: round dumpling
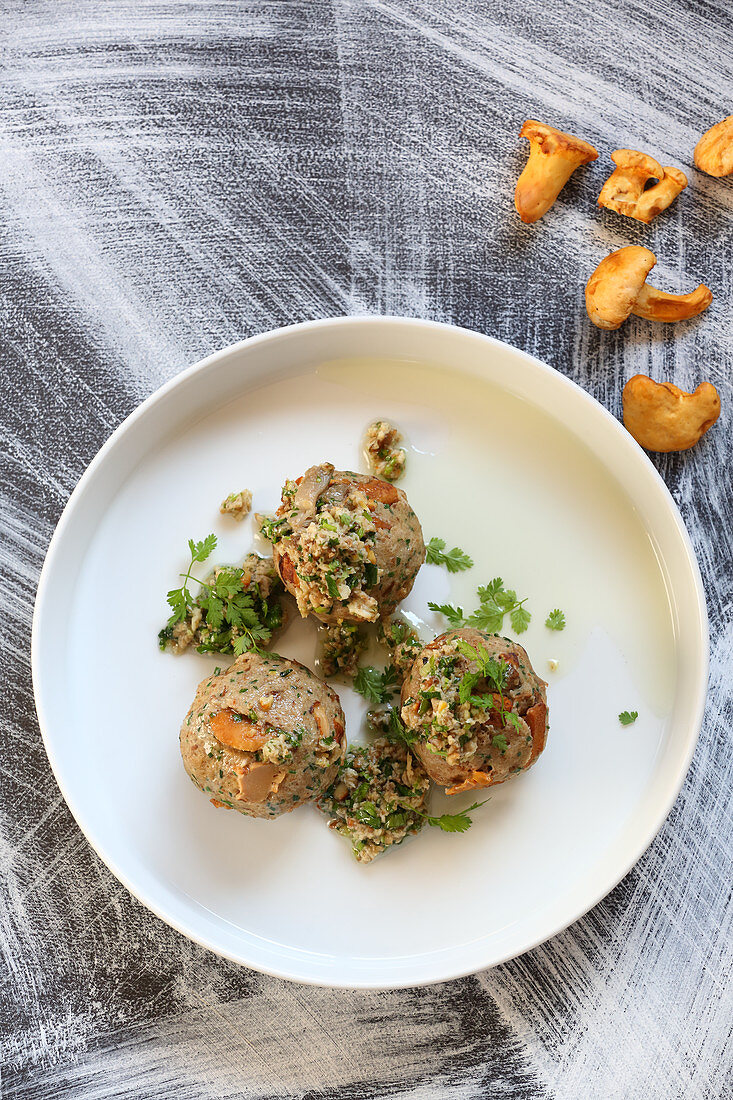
x=263 y=736
x=347 y=546
x=477 y=707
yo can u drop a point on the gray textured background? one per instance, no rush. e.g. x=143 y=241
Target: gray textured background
x=178 y=175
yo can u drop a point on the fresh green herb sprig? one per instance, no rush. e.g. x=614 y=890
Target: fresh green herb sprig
x=628 y=717
x=495 y=602
x=453 y=823
x=377 y=687
x=454 y=615
x=455 y=560
x=233 y=620
x=555 y=620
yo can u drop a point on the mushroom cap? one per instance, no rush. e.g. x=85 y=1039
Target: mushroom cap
x=630 y=160
x=714 y=150
x=614 y=286
x=556 y=142
x=625 y=190
x=661 y=417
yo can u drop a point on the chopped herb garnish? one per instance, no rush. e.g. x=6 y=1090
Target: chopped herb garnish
x=455 y=560
x=628 y=717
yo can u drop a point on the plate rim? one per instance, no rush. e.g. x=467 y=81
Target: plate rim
x=438 y=974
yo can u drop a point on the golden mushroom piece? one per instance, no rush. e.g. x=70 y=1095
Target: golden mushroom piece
x=714 y=150
x=553 y=157
x=662 y=417
x=624 y=191
x=618 y=287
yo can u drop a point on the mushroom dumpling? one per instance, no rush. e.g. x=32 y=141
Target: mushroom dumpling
x=347 y=546
x=263 y=736
x=477 y=708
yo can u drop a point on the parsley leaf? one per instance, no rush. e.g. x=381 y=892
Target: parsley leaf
x=500 y=742
x=628 y=717
x=376 y=686
x=555 y=620
x=455 y=560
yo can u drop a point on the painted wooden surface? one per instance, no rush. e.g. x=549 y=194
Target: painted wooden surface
x=177 y=175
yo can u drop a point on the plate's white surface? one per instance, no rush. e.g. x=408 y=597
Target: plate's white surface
x=510 y=461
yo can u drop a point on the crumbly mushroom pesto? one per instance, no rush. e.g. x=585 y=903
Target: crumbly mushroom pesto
x=341 y=646
x=378 y=798
x=347 y=546
x=231 y=601
x=402 y=642
x=386 y=459
x=237 y=505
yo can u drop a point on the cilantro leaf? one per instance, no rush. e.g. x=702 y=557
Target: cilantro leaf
x=488 y=617
x=555 y=620
x=520 y=619
x=178 y=601
x=215 y=612
x=200 y=551
x=628 y=717
x=488 y=591
x=506 y=599
x=454 y=615
x=495 y=602
x=455 y=560
x=454 y=823
x=500 y=742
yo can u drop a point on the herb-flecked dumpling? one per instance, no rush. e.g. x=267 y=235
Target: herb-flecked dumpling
x=477 y=709
x=347 y=546
x=263 y=736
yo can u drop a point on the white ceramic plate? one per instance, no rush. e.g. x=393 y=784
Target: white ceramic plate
x=509 y=460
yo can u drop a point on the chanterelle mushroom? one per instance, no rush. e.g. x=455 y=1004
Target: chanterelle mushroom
x=714 y=150
x=662 y=417
x=618 y=287
x=553 y=157
x=624 y=191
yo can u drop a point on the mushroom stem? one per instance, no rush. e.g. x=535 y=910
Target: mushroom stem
x=540 y=183
x=553 y=157
x=657 y=305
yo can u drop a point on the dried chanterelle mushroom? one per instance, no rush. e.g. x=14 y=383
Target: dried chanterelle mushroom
x=624 y=191
x=618 y=287
x=714 y=150
x=662 y=417
x=553 y=157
